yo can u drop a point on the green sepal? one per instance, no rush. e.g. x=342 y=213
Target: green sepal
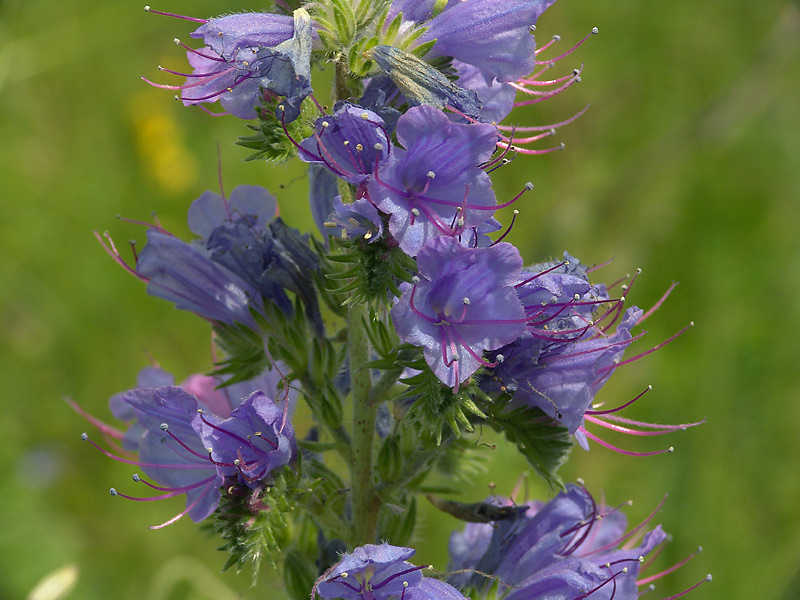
x=423 y=48
x=243 y=351
x=345 y=20
x=376 y=269
x=436 y=405
x=543 y=443
x=252 y=522
x=270 y=141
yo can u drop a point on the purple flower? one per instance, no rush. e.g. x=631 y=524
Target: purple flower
x=352 y=143
x=566 y=548
x=495 y=37
x=497 y=98
x=462 y=305
x=185 y=275
x=187 y=449
x=359 y=220
x=171 y=451
x=567 y=353
x=382 y=572
x=434 y=186
x=255 y=440
x=245 y=255
x=245 y=54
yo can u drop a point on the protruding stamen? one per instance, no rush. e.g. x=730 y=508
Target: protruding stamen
x=166 y=14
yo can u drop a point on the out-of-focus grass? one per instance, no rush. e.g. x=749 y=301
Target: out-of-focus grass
x=685 y=165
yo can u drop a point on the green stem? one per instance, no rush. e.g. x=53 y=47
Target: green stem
x=366 y=504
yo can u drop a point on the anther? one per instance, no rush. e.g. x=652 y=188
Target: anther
x=147 y=8
x=465 y=301
x=378 y=146
x=164 y=426
x=326 y=124
x=112 y=491
x=532 y=28
x=365 y=116
x=84 y=436
x=529 y=186
x=556 y=38
x=136 y=477
x=359 y=147
x=415 y=212
x=346 y=143
x=431 y=175
x=671 y=449
x=415 y=280
x=595 y=31
x=500 y=358
x=176 y=41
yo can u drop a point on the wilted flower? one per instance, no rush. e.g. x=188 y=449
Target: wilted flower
x=245 y=54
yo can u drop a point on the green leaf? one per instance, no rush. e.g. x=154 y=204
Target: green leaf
x=541 y=441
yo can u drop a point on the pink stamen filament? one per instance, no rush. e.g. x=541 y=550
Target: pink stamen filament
x=137 y=463
x=530 y=152
x=658 y=304
x=187 y=509
x=529 y=140
x=471 y=352
x=505 y=233
x=662 y=429
x=542 y=96
x=679 y=427
x=653 y=349
x=418 y=312
x=592 y=351
x=235 y=84
x=104 y=428
x=553 y=40
x=413 y=197
x=686 y=591
x=217 y=58
x=567 y=53
x=619 y=408
x=631 y=533
x=537 y=275
x=210 y=112
x=166 y=14
x=612 y=579
x=675 y=567
x=545 y=127
x=111 y=250
x=620 y=450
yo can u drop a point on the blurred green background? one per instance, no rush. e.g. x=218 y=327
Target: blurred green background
x=687 y=165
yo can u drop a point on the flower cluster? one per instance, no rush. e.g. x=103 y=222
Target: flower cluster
x=411 y=313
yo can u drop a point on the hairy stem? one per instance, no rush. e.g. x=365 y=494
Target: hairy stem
x=366 y=503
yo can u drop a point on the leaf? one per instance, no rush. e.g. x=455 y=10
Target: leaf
x=541 y=441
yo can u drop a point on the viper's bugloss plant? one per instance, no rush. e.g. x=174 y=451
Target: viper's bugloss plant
x=401 y=328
